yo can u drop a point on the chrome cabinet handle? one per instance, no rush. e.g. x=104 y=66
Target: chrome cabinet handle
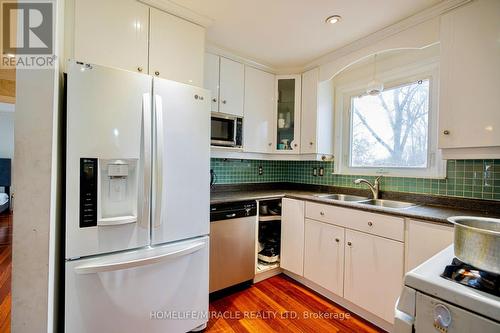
x=370 y=223
x=321 y=213
x=139 y=69
x=446 y=132
x=214 y=100
x=349 y=243
x=337 y=240
x=157 y=73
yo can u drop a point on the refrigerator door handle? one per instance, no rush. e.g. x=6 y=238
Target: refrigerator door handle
x=146 y=127
x=115 y=265
x=158 y=182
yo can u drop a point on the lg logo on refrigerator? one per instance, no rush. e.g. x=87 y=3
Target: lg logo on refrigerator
x=27 y=33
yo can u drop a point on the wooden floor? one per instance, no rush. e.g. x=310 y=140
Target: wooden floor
x=5 y=270
x=280 y=304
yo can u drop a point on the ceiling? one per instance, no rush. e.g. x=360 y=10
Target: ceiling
x=292 y=33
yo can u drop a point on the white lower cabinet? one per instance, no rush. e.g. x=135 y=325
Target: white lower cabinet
x=324 y=255
x=424 y=240
x=373 y=272
x=292 y=236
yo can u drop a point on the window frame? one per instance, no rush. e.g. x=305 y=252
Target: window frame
x=397 y=77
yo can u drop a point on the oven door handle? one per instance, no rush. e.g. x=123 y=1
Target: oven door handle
x=403 y=322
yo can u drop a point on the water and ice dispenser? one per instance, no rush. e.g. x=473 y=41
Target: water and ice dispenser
x=108 y=191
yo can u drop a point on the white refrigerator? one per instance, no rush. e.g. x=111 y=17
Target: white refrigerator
x=137 y=202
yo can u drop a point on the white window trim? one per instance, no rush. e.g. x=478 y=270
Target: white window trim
x=396 y=77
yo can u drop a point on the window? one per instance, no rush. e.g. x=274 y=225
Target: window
x=391 y=129
x=393 y=133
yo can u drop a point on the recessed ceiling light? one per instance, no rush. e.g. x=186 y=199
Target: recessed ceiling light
x=333 y=19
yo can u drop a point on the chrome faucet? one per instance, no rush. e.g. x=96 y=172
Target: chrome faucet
x=374 y=188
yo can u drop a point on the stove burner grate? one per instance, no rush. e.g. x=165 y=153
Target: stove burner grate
x=472 y=277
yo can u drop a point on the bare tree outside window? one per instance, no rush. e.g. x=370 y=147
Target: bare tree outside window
x=392 y=128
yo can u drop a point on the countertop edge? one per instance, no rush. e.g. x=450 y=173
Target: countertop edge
x=424 y=212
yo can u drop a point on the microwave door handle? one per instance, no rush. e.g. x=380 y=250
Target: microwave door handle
x=146 y=128
x=158 y=181
x=235 y=126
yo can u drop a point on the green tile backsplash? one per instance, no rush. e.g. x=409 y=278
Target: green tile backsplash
x=247 y=171
x=478 y=179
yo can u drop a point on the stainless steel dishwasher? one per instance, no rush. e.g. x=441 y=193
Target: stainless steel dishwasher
x=232 y=243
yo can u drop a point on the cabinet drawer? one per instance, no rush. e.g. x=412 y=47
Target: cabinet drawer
x=376 y=224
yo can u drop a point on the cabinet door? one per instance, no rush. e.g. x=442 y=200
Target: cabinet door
x=287 y=117
x=105 y=38
x=470 y=76
x=232 y=80
x=211 y=79
x=425 y=240
x=324 y=255
x=176 y=48
x=309 y=123
x=258 y=134
x=292 y=236
x=373 y=272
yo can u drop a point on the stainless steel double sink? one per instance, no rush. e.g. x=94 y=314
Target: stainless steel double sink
x=366 y=201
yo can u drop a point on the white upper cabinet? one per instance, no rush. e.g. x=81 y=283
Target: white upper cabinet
x=469 y=112
x=292 y=236
x=287 y=116
x=316 y=134
x=373 y=272
x=177 y=48
x=111 y=33
x=225 y=78
x=129 y=35
x=231 y=83
x=211 y=79
x=259 y=104
x=309 y=121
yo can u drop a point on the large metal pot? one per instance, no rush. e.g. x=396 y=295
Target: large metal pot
x=477 y=242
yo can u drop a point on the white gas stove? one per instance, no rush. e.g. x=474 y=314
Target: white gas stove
x=431 y=303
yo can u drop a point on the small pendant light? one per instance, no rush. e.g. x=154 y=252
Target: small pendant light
x=375 y=87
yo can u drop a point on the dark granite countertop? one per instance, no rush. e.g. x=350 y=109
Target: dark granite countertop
x=436 y=210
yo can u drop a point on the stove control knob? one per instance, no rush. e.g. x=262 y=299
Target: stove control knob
x=442 y=318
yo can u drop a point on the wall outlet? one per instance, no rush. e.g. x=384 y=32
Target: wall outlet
x=315 y=172
x=321 y=171
x=261 y=170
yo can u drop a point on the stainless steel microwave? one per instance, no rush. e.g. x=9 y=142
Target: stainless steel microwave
x=226 y=131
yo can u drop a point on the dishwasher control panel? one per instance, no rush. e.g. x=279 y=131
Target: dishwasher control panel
x=232 y=210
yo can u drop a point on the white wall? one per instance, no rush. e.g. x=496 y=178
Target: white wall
x=36 y=177
x=416 y=37
x=6 y=134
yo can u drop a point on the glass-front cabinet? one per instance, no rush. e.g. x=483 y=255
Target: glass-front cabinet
x=288 y=113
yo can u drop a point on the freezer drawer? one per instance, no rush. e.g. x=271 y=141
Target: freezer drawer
x=158 y=289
